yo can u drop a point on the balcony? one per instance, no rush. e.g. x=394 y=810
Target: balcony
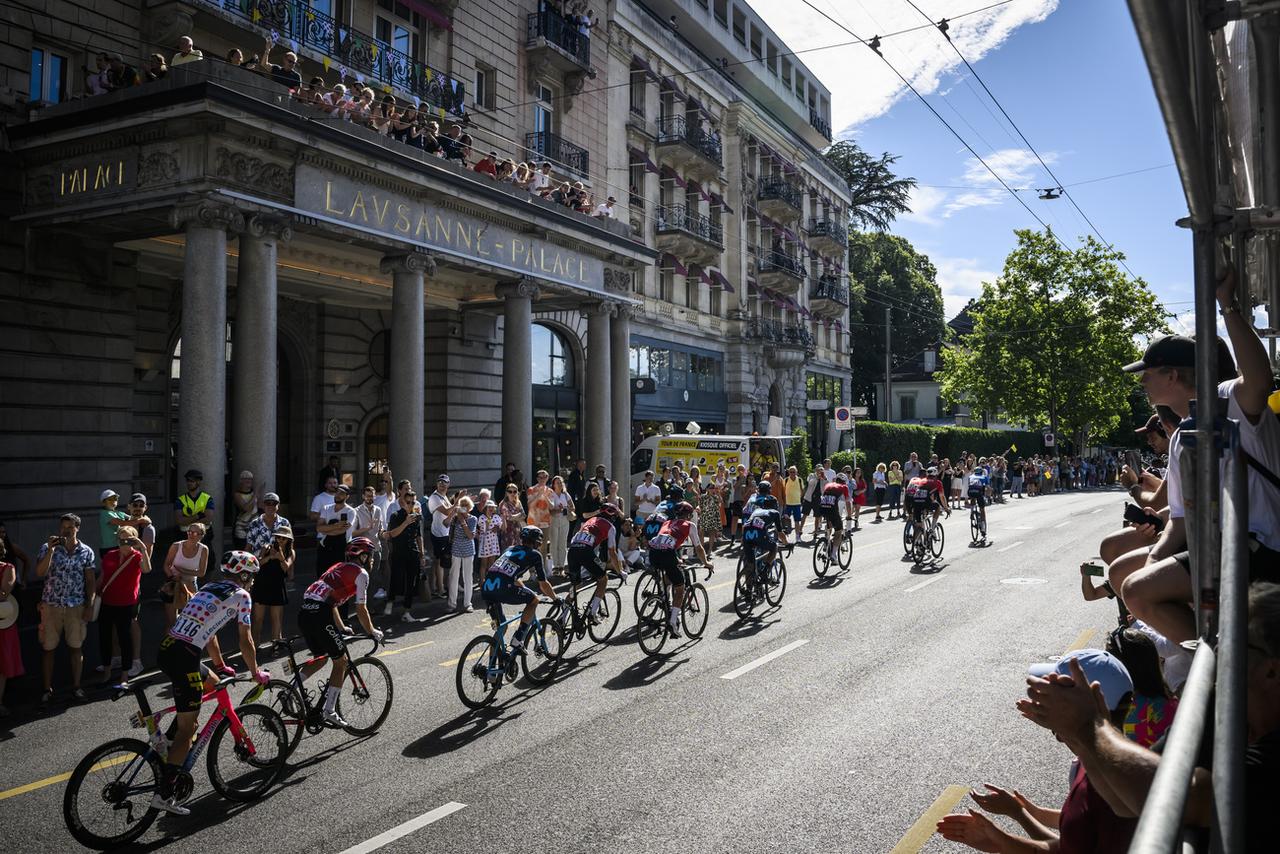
x=688 y=235
x=830 y=297
x=553 y=45
x=820 y=124
x=348 y=48
x=687 y=145
x=780 y=198
x=562 y=153
x=787 y=345
x=833 y=234
x=780 y=272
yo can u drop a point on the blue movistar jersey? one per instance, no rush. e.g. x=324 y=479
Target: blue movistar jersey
x=514 y=563
x=979 y=479
x=761 y=526
x=758 y=502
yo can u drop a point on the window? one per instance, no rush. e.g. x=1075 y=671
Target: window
x=48 y=76
x=679 y=369
x=786 y=72
x=396 y=36
x=942 y=407
x=800 y=85
x=716 y=308
x=722 y=13
x=552 y=360
x=324 y=7
x=639 y=84
x=739 y=26
x=666 y=284
x=660 y=366
x=635 y=176
x=906 y=407
x=755 y=42
x=771 y=54
x=543 y=111
x=486 y=91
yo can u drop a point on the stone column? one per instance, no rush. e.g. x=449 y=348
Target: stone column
x=408 y=364
x=596 y=396
x=620 y=387
x=517 y=374
x=202 y=388
x=254 y=368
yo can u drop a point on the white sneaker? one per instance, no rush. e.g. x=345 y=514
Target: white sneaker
x=168 y=805
x=406 y=617
x=381 y=594
x=333 y=719
x=136 y=668
x=673 y=626
x=386 y=612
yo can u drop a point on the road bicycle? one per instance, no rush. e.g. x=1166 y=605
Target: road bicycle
x=107 y=802
x=488 y=659
x=759 y=582
x=822 y=559
x=574 y=621
x=648 y=580
x=977 y=523
x=653 y=622
x=364 y=701
x=927 y=540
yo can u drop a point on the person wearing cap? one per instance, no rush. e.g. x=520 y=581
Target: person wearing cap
x=1085 y=822
x=606 y=209
x=371 y=522
x=194 y=505
x=336 y=522
x=442 y=511
x=108 y=520
x=119 y=587
x=141 y=522
x=245 y=499
x=270 y=539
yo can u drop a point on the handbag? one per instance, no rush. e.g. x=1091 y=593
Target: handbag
x=8 y=612
x=97 y=600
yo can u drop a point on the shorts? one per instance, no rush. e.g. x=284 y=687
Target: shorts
x=315 y=622
x=830 y=515
x=806 y=507
x=667 y=561
x=758 y=547
x=180 y=661
x=979 y=496
x=585 y=557
x=55 y=621
x=497 y=591
x=442 y=548
x=1264 y=564
x=735 y=509
x=796 y=512
x=879 y=494
x=918 y=509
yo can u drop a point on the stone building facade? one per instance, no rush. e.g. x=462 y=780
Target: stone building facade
x=205 y=272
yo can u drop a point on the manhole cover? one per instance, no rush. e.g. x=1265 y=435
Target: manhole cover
x=1024 y=581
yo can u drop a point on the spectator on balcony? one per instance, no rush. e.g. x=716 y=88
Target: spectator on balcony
x=98 y=81
x=607 y=209
x=407 y=128
x=235 y=57
x=451 y=144
x=507 y=171
x=488 y=164
x=431 y=140
x=121 y=75
x=186 y=53
x=540 y=182
x=285 y=74
x=523 y=176
x=156 y=67
x=385 y=116
x=561 y=194
x=465 y=142
x=335 y=102
x=361 y=112
x=313 y=93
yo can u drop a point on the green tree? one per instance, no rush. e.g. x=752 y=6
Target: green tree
x=798 y=453
x=887 y=272
x=878 y=195
x=1049 y=338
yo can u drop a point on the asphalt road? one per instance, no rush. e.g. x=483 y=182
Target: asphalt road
x=888 y=687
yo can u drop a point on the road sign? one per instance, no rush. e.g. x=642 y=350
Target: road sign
x=817 y=405
x=843 y=418
x=1048 y=440
x=643 y=385
x=859 y=411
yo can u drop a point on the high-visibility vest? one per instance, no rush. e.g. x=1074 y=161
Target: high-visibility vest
x=194 y=507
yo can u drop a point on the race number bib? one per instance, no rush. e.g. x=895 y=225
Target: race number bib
x=829 y=499
x=583 y=538
x=186 y=627
x=505 y=566
x=663 y=542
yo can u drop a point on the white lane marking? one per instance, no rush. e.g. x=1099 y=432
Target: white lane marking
x=924 y=583
x=1021 y=527
x=764 y=659
x=1010 y=546
x=1063 y=524
x=1099 y=510
x=405 y=829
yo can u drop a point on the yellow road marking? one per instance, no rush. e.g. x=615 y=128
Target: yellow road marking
x=926 y=826
x=718 y=586
x=1082 y=640
x=451 y=662
x=401 y=649
x=61 y=778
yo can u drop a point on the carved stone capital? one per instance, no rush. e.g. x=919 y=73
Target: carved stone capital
x=618 y=281
x=625 y=311
x=409 y=262
x=207 y=214
x=263 y=225
x=525 y=287
x=604 y=308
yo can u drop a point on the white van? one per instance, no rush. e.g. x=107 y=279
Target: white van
x=705 y=452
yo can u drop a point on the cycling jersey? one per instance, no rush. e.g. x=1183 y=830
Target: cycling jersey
x=761 y=526
x=339 y=583
x=515 y=562
x=978 y=481
x=920 y=489
x=832 y=494
x=656 y=520
x=215 y=605
x=672 y=535
x=758 y=501
x=595 y=532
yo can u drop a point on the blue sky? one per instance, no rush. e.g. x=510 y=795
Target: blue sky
x=1070 y=74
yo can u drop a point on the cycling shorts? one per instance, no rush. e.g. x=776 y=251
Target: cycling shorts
x=751 y=550
x=830 y=515
x=498 y=590
x=979 y=496
x=180 y=661
x=585 y=557
x=321 y=632
x=667 y=561
x=919 y=509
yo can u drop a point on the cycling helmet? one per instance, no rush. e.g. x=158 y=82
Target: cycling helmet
x=842 y=478
x=609 y=511
x=360 y=546
x=767 y=502
x=933 y=470
x=684 y=510
x=531 y=535
x=764 y=488
x=240 y=563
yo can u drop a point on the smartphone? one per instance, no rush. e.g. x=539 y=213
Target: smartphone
x=1133 y=461
x=1135 y=514
x=344 y=517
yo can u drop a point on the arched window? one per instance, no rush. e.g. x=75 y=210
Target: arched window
x=551 y=358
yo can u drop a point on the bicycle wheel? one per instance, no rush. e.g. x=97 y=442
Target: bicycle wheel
x=647 y=587
x=609 y=614
x=974 y=531
x=773 y=590
x=651 y=626
x=743 y=600
x=920 y=546
x=696 y=611
x=821 y=558
x=108 y=798
x=845 y=553
x=558 y=614
x=284 y=699
x=365 y=699
x=543 y=647
x=244 y=769
x=908 y=534
x=937 y=538
x=476 y=685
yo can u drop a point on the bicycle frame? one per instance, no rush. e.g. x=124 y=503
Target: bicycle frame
x=145 y=718
x=500 y=647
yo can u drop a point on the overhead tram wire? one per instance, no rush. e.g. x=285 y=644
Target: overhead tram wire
x=1042 y=189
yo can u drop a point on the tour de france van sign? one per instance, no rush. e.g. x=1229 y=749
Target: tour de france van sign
x=336 y=197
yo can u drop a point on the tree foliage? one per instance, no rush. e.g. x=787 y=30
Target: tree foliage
x=1051 y=334
x=878 y=194
x=798 y=453
x=886 y=270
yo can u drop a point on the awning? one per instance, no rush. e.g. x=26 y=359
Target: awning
x=718 y=279
x=669 y=260
x=672 y=87
x=717 y=199
x=430 y=12
x=638 y=154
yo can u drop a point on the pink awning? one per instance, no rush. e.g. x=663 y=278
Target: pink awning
x=430 y=12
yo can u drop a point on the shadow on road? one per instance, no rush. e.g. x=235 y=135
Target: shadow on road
x=464 y=729
x=749 y=627
x=647 y=670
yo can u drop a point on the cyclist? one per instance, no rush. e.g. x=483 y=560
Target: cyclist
x=193 y=632
x=597 y=533
x=923 y=494
x=503 y=583
x=763 y=493
x=978 y=480
x=666 y=510
x=664 y=552
x=320 y=620
x=761 y=530
x=833 y=495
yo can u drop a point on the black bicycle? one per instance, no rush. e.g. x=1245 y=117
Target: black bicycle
x=760 y=582
x=822 y=559
x=364 y=701
x=653 y=625
x=574 y=620
x=977 y=523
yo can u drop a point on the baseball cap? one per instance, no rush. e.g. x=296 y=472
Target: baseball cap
x=108 y=493
x=246 y=474
x=1167 y=351
x=1153 y=425
x=1098 y=666
x=444 y=478
x=271 y=496
x=137 y=497
x=194 y=474
x=342 y=487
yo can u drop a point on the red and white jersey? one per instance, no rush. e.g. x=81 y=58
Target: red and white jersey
x=672 y=535
x=340 y=582
x=833 y=493
x=595 y=532
x=215 y=605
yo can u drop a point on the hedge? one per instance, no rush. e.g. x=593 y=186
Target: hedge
x=882 y=442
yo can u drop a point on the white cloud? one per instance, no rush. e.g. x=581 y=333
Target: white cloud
x=923 y=56
x=960 y=280
x=924 y=204
x=1017 y=167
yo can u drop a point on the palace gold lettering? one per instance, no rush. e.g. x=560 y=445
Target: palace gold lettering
x=89 y=179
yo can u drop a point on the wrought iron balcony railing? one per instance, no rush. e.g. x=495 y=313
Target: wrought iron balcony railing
x=558 y=150
x=774 y=261
x=552 y=26
x=830 y=229
x=777 y=188
x=783 y=334
x=681 y=218
x=831 y=288
x=678 y=128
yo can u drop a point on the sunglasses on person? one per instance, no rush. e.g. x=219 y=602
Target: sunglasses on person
x=271 y=503
x=513 y=490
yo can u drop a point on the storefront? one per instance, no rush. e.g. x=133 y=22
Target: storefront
x=823 y=387
x=556 y=415
x=688 y=387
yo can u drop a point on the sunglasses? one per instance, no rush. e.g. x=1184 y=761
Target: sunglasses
x=271 y=503
x=137 y=504
x=512 y=491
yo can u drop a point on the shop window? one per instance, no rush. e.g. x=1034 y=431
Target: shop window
x=551 y=358
x=906 y=407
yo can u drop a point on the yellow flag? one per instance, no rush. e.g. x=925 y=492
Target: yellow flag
x=257 y=16
x=326 y=63
x=1013 y=447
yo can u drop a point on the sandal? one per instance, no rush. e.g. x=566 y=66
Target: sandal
x=78 y=695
